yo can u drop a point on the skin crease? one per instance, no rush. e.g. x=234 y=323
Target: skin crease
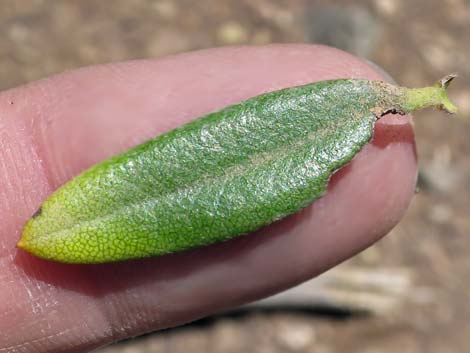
x=52 y=129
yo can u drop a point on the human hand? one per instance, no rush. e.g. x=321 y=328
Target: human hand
x=53 y=129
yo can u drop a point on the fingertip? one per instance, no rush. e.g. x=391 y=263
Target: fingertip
x=101 y=113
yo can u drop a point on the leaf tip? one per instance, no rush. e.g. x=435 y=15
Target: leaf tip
x=23 y=244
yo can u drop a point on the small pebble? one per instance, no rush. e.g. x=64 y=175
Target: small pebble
x=232 y=33
x=295 y=336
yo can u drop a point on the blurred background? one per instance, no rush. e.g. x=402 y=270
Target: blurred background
x=408 y=293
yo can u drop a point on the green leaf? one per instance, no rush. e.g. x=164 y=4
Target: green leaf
x=218 y=177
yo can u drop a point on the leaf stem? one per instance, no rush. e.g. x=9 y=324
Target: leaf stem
x=434 y=96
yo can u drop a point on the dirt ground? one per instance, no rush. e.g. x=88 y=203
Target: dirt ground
x=415 y=41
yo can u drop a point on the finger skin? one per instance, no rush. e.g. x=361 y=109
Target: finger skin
x=53 y=129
